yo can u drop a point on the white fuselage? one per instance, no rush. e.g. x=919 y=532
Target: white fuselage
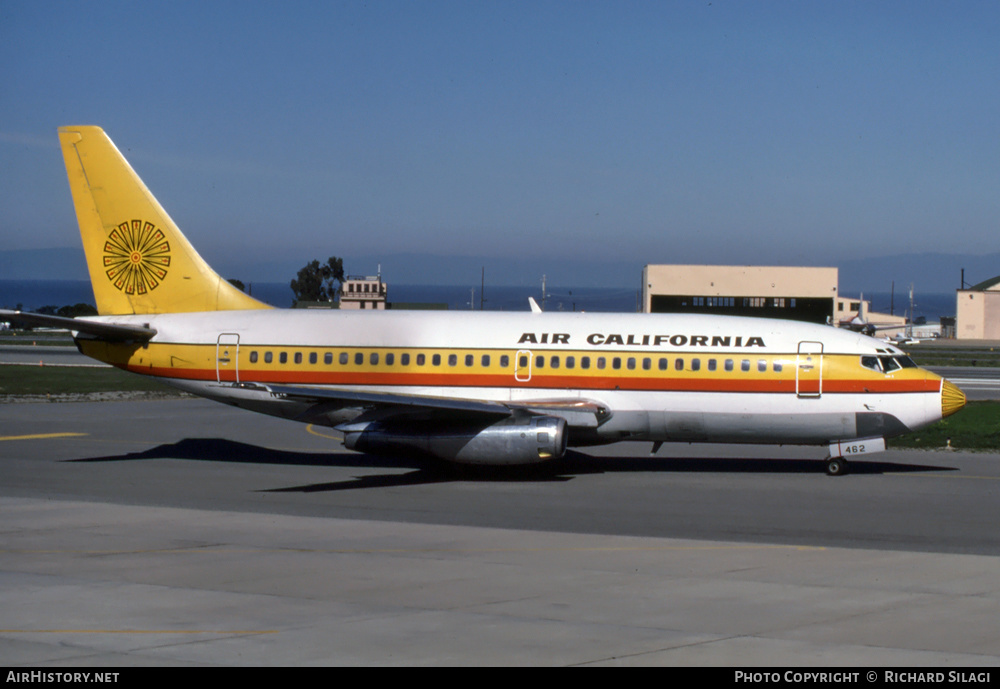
x=661 y=377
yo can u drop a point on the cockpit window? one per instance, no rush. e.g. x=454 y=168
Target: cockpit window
x=889 y=364
x=905 y=361
x=871 y=362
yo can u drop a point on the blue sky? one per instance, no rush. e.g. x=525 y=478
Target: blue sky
x=580 y=132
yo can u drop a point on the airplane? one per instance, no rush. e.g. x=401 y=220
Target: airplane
x=903 y=339
x=481 y=388
x=860 y=325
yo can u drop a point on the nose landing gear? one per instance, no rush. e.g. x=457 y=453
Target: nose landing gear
x=836 y=466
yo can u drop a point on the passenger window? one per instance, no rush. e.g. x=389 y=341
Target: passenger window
x=630 y=363
x=554 y=362
x=616 y=363
x=571 y=362
x=436 y=360
x=253 y=357
x=777 y=366
x=453 y=359
x=359 y=358
x=283 y=358
x=421 y=359
x=328 y=358
x=664 y=364
x=696 y=364
x=745 y=365
x=539 y=362
x=298 y=357
x=729 y=364
x=762 y=365
x=404 y=359
x=373 y=359
x=712 y=365
x=390 y=359
x=647 y=363
x=267 y=357
x=485 y=361
x=585 y=362
x=678 y=364
x=601 y=363
x=523 y=361
x=312 y=357
x=343 y=358
x=504 y=361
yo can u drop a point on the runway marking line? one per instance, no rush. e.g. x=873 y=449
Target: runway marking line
x=41 y=436
x=138 y=631
x=403 y=551
x=311 y=429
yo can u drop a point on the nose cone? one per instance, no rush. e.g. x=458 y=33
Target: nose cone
x=952 y=399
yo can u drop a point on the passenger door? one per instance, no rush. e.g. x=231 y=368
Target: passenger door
x=809 y=369
x=227 y=358
x=522 y=366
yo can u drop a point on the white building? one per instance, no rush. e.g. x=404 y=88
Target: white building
x=363 y=292
x=977 y=311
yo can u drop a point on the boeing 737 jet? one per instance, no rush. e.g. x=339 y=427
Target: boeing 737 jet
x=480 y=387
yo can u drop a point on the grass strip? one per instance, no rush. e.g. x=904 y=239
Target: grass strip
x=43 y=380
x=977 y=427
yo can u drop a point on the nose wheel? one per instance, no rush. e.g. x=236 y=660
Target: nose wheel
x=836 y=466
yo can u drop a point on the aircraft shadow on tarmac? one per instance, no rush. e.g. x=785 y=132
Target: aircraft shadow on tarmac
x=428 y=470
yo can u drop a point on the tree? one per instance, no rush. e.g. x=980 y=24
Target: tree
x=316 y=282
x=77 y=310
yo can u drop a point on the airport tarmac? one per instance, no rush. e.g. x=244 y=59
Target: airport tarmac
x=183 y=532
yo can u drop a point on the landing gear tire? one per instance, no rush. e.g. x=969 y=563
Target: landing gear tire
x=836 y=466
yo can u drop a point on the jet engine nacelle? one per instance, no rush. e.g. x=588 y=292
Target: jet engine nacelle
x=515 y=440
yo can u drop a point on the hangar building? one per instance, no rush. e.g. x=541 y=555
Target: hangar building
x=795 y=293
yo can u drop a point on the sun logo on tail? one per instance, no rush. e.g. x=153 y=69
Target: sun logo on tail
x=136 y=257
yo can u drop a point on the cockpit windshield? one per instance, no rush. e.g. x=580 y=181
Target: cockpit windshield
x=887 y=364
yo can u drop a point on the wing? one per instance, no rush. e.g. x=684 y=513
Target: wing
x=577 y=412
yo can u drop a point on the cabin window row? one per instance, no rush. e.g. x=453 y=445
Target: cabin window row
x=541 y=361
x=374 y=359
x=646 y=363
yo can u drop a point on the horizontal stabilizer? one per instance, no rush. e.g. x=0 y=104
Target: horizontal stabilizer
x=112 y=332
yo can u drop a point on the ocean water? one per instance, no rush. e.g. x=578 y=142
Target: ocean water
x=32 y=295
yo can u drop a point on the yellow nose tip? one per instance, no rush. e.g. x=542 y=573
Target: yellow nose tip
x=952 y=399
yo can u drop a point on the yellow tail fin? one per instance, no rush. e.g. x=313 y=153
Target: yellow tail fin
x=138 y=259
